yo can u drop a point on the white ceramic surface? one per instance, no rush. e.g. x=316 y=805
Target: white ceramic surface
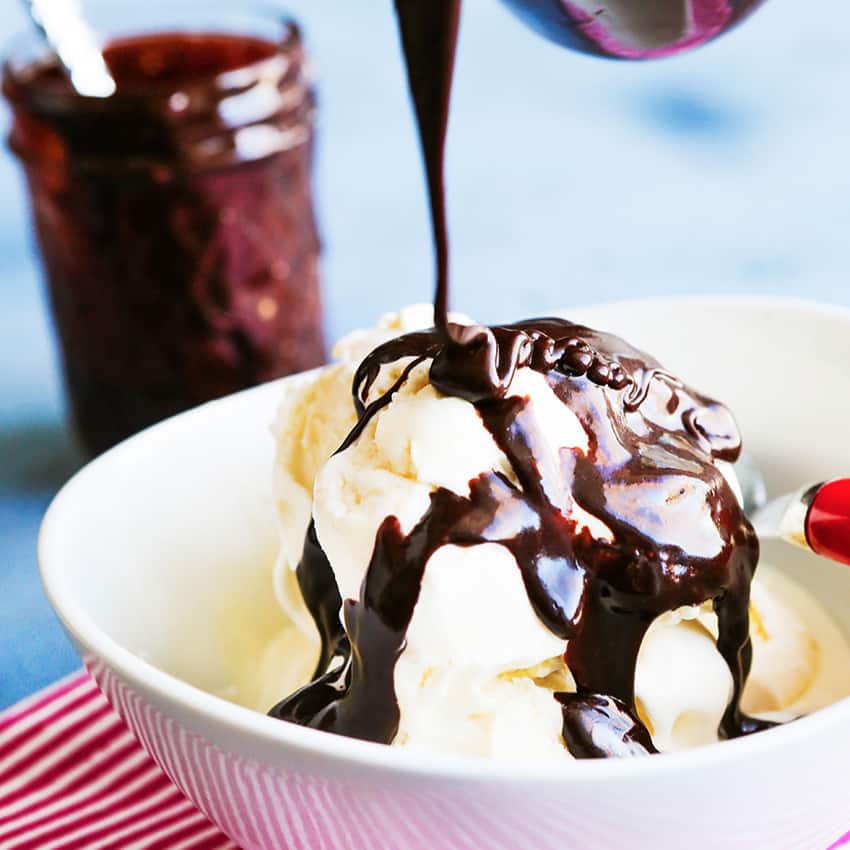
x=157 y=554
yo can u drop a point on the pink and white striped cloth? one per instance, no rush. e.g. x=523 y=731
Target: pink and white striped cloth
x=73 y=777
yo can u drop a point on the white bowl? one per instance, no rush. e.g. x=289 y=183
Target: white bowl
x=157 y=556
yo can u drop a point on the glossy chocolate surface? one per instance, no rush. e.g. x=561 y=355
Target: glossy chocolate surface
x=677 y=535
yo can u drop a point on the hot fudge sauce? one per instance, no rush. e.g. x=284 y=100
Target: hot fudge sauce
x=175 y=221
x=678 y=534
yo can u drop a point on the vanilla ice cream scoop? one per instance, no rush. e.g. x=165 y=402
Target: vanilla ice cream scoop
x=538 y=555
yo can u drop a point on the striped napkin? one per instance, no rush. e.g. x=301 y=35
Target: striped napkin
x=72 y=777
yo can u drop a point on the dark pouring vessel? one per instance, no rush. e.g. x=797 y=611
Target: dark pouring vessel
x=175 y=218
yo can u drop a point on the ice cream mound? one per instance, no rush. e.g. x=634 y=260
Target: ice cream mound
x=526 y=543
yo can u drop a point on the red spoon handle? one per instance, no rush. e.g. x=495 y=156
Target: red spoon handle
x=828 y=521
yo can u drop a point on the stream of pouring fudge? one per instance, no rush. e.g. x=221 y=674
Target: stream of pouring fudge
x=649 y=474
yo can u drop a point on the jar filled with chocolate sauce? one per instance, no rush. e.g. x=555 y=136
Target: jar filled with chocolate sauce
x=174 y=218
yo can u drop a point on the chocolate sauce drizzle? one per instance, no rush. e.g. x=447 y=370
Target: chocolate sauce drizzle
x=678 y=535
x=429 y=37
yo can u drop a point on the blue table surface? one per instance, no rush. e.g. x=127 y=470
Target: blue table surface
x=571 y=180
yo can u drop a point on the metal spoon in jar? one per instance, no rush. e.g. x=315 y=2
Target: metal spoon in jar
x=72 y=39
x=815 y=517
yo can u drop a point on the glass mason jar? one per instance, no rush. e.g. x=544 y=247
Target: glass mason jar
x=174 y=218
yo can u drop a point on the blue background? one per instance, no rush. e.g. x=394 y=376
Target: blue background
x=571 y=180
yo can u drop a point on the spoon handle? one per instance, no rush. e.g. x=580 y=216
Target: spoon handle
x=64 y=26
x=827 y=523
